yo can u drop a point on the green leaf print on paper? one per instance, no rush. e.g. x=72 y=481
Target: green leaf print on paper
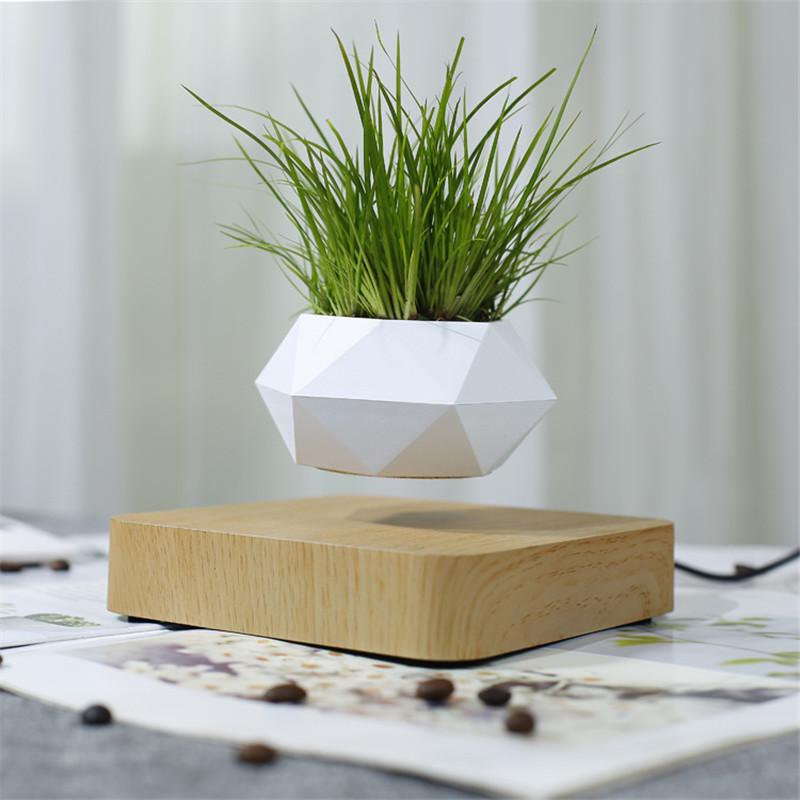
x=636 y=639
x=64 y=620
x=656 y=632
x=755 y=627
x=675 y=623
x=668 y=630
x=743 y=622
x=790 y=658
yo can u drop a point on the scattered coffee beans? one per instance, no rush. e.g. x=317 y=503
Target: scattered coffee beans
x=255 y=754
x=285 y=693
x=59 y=565
x=435 y=690
x=520 y=721
x=11 y=566
x=96 y=715
x=494 y=695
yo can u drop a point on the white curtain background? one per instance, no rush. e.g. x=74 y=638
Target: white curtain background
x=131 y=336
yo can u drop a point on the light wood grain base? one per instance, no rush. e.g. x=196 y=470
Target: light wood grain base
x=406 y=578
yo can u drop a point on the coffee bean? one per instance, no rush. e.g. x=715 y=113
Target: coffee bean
x=435 y=690
x=285 y=693
x=18 y=566
x=59 y=565
x=96 y=715
x=256 y=754
x=494 y=695
x=520 y=721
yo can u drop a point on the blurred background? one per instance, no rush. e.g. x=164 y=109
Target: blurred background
x=131 y=336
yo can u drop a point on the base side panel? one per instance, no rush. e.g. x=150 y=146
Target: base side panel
x=516 y=601
x=287 y=590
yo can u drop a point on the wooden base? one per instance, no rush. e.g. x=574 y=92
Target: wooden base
x=410 y=579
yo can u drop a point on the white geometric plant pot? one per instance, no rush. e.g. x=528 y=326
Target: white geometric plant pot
x=400 y=398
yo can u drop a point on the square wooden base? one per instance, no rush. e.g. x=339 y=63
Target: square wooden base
x=406 y=578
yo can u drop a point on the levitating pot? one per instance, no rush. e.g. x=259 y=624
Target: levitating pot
x=397 y=398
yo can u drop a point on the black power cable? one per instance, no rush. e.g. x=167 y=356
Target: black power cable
x=742 y=572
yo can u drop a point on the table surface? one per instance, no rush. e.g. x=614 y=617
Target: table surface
x=45 y=752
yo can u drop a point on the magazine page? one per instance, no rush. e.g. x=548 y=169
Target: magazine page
x=40 y=605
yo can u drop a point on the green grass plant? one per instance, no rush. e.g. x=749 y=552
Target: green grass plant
x=424 y=218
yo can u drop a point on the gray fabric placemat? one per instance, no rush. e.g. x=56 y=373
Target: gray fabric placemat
x=45 y=752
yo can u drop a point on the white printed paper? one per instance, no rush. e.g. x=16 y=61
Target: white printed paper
x=38 y=606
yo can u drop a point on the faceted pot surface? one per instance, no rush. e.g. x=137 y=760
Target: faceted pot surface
x=397 y=398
